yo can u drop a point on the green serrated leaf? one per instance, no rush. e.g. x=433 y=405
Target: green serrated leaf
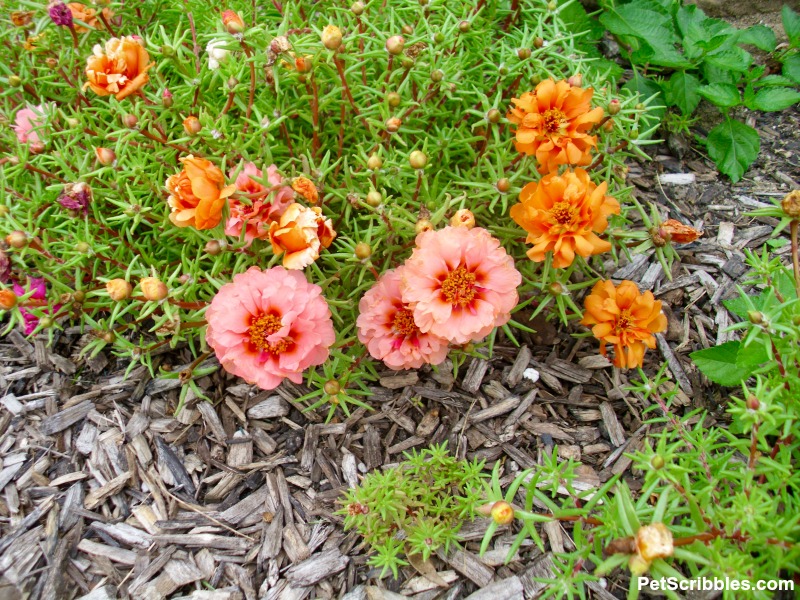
x=760 y=36
x=775 y=98
x=791 y=67
x=681 y=90
x=791 y=24
x=734 y=59
x=718 y=363
x=724 y=95
x=733 y=146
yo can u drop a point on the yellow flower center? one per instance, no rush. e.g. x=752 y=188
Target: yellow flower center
x=403 y=323
x=563 y=213
x=625 y=320
x=459 y=287
x=554 y=119
x=264 y=326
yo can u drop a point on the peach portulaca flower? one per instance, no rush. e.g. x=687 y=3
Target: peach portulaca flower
x=120 y=68
x=460 y=283
x=625 y=318
x=266 y=206
x=386 y=326
x=300 y=234
x=563 y=214
x=87 y=14
x=197 y=194
x=553 y=123
x=267 y=326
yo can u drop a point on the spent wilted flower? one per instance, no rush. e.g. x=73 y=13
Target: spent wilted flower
x=553 y=122
x=306 y=188
x=625 y=318
x=120 y=68
x=265 y=326
x=22 y=18
x=563 y=214
x=654 y=541
x=60 y=13
x=460 y=282
x=86 y=14
x=76 y=196
x=300 y=234
x=256 y=217
x=678 y=233
x=217 y=53
x=386 y=327
x=197 y=194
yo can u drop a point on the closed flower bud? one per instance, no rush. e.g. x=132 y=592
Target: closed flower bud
x=576 y=80
x=502 y=512
x=417 y=159
x=17 y=239
x=191 y=125
x=374 y=162
x=752 y=403
x=3 y=210
x=437 y=76
x=503 y=185
x=14 y=81
x=552 y=5
x=791 y=204
x=395 y=44
x=303 y=64
x=130 y=121
x=423 y=225
x=393 y=124
x=374 y=198
x=463 y=218
x=332 y=387
x=46 y=322
x=166 y=99
x=331 y=37
x=608 y=126
x=363 y=251
x=232 y=21
x=464 y=26
x=657 y=462
x=52 y=62
x=756 y=317
x=78 y=296
x=119 y=289
x=215 y=247
x=105 y=156
x=438 y=37
x=393 y=98
x=82 y=247
x=493 y=116
x=556 y=289
x=523 y=53
x=357 y=8
x=167 y=51
x=8 y=299
x=107 y=336
x=613 y=107
x=654 y=541
x=153 y=289
x=538 y=42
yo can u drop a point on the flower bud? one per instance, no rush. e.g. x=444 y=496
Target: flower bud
x=417 y=159
x=654 y=541
x=374 y=198
x=576 y=80
x=463 y=218
x=523 y=53
x=503 y=185
x=331 y=37
x=423 y=225
x=166 y=99
x=82 y=247
x=37 y=147
x=538 y=42
x=493 y=116
x=640 y=106
x=393 y=98
x=119 y=289
x=752 y=403
x=407 y=62
x=107 y=336
x=756 y=317
x=556 y=289
x=78 y=296
x=332 y=387
x=14 y=81
x=8 y=299
x=357 y=8
x=46 y=322
x=657 y=462
x=438 y=37
x=502 y=512
x=552 y=5
x=363 y=251
x=374 y=162
x=168 y=51
x=17 y=239
x=191 y=125
x=105 y=156
x=791 y=204
x=464 y=26
x=613 y=107
x=232 y=21
x=634 y=134
x=153 y=289
x=52 y=63
x=437 y=76
x=608 y=126
x=130 y=121
x=393 y=124
x=215 y=247
x=395 y=44
x=280 y=44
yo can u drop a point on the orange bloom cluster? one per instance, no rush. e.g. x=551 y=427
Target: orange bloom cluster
x=88 y=15
x=625 y=318
x=120 y=68
x=553 y=123
x=563 y=214
x=197 y=194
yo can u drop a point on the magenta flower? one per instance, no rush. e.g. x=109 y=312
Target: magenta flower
x=39 y=288
x=60 y=13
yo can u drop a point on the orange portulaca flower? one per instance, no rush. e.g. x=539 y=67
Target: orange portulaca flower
x=88 y=15
x=300 y=234
x=553 y=123
x=120 y=68
x=197 y=194
x=625 y=318
x=563 y=214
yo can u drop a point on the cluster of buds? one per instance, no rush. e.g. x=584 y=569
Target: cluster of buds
x=153 y=289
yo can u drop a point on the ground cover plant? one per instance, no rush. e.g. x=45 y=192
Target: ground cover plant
x=314 y=195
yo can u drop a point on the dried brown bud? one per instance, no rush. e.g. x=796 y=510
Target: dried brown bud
x=8 y=299
x=331 y=37
x=463 y=218
x=191 y=125
x=363 y=251
x=119 y=289
x=105 y=156
x=658 y=237
x=232 y=21
x=280 y=44
x=791 y=204
x=153 y=289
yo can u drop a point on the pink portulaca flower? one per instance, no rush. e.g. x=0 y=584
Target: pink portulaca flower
x=39 y=288
x=386 y=326
x=266 y=326
x=255 y=218
x=27 y=121
x=461 y=283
